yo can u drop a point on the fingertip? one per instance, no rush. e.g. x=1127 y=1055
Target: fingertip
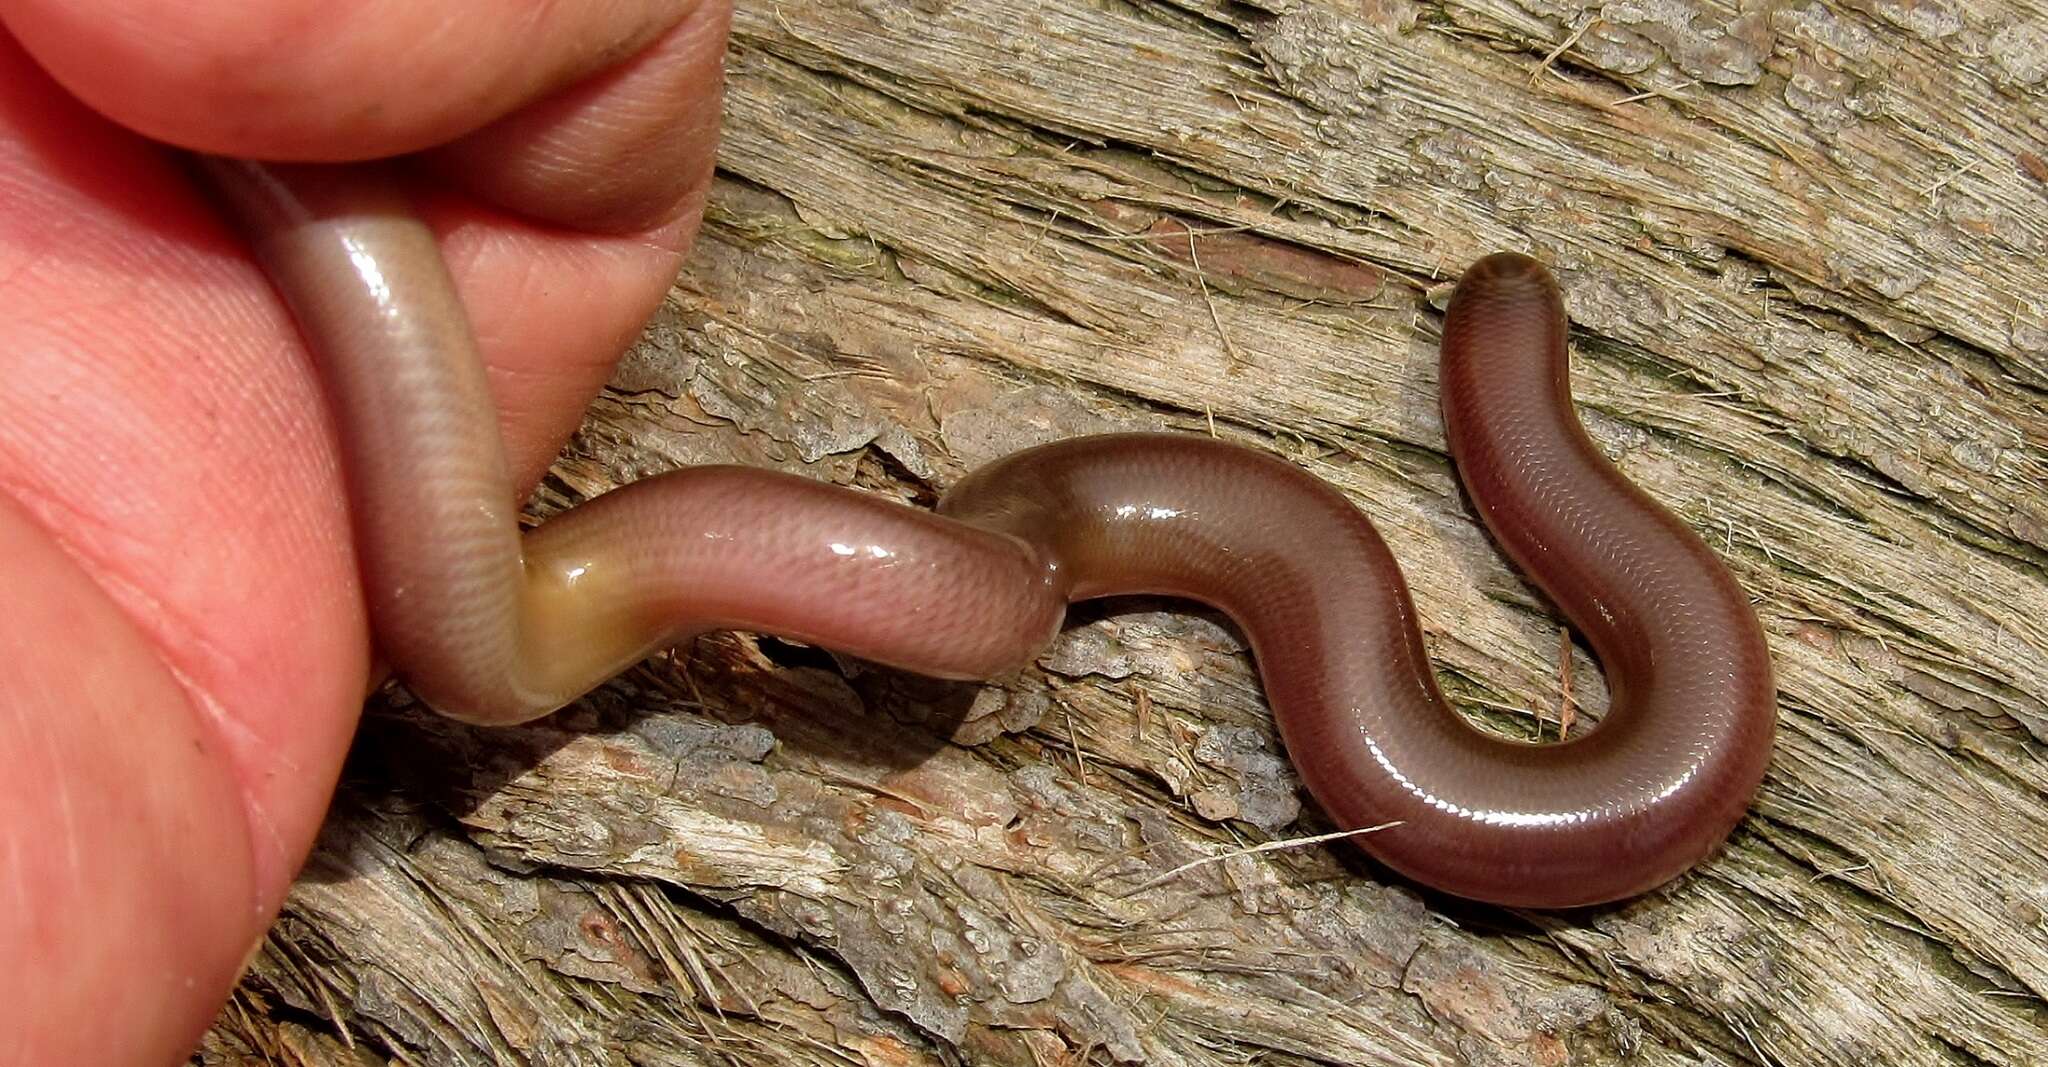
x=625 y=151
x=325 y=80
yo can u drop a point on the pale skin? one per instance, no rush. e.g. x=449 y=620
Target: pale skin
x=183 y=651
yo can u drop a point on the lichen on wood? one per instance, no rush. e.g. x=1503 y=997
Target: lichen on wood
x=1803 y=245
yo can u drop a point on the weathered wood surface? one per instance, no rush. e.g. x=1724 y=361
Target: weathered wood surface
x=1804 y=247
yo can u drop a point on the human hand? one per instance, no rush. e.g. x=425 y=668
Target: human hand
x=183 y=649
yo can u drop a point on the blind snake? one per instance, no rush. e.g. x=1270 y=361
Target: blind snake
x=490 y=626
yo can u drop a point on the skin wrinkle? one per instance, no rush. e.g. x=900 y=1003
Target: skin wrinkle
x=46 y=742
x=137 y=603
x=613 y=154
x=129 y=783
x=444 y=68
x=136 y=593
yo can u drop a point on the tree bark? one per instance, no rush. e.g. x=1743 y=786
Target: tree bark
x=1803 y=249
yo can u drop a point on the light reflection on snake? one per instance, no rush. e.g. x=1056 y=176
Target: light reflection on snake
x=490 y=626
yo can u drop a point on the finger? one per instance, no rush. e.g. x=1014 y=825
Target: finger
x=618 y=152
x=161 y=433
x=125 y=873
x=157 y=419
x=162 y=414
x=553 y=310
x=325 y=79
